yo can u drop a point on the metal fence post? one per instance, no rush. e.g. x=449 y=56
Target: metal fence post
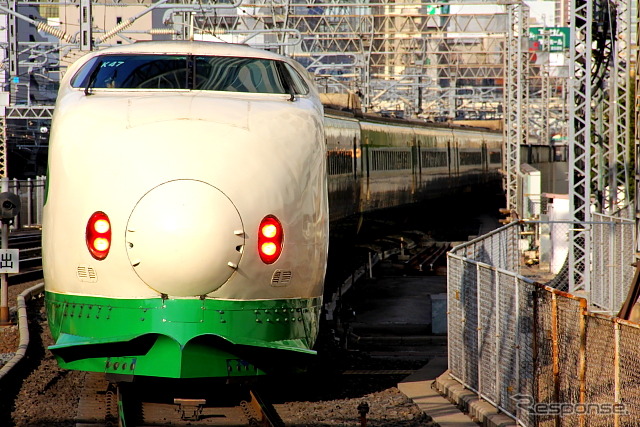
x=17 y=222
x=29 y=201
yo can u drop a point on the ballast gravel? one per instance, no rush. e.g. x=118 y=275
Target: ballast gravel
x=40 y=394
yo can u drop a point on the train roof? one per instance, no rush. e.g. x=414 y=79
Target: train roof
x=180 y=47
x=374 y=118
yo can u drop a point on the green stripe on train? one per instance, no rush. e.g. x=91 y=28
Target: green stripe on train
x=181 y=338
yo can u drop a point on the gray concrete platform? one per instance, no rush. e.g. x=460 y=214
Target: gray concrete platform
x=428 y=388
x=478 y=409
x=419 y=387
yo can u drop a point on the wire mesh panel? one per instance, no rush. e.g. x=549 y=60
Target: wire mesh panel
x=506 y=341
x=512 y=257
x=545 y=385
x=600 y=373
x=498 y=248
x=488 y=296
x=612 y=259
x=455 y=315
x=469 y=301
x=570 y=331
x=624 y=253
x=525 y=347
x=600 y=272
x=510 y=342
x=629 y=384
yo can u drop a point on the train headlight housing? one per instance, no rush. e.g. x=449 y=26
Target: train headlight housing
x=99 y=235
x=270 y=239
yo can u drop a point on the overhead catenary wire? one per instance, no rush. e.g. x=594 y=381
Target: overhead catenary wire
x=41 y=26
x=128 y=22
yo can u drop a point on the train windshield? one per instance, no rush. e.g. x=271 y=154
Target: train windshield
x=216 y=73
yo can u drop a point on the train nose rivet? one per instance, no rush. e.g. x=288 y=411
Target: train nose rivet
x=232 y=265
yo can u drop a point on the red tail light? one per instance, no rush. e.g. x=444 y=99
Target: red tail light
x=270 y=238
x=99 y=235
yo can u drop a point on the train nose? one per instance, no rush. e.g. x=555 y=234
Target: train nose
x=184 y=238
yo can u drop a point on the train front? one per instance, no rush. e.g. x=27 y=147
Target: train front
x=186 y=218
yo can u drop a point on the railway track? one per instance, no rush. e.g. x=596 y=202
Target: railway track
x=39 y=394
x=428 y=259
x=29 y=242
x=108 y=404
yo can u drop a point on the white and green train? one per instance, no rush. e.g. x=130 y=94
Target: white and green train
x=376 y=163
x=187 y=213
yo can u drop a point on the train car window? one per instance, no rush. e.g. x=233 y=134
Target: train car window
x=433 y=158
x=339 y=162
x=235 y=74
x=215 y=73
x=470 y=158
x=299 y=85
x=82 y=76
x=389 y=159
x=495 y=157
x=134 y=72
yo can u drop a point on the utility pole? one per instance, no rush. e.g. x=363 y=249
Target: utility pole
x=86 y=35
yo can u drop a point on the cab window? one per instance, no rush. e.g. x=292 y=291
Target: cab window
x=214 y=73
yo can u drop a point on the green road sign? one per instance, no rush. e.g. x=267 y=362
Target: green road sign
x=550 y=39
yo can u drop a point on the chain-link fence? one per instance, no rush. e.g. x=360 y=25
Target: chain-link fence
x=536 y=352
x=612 y=270
x=541 y=254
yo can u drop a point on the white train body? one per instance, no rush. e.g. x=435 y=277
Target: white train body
x=185 y=177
